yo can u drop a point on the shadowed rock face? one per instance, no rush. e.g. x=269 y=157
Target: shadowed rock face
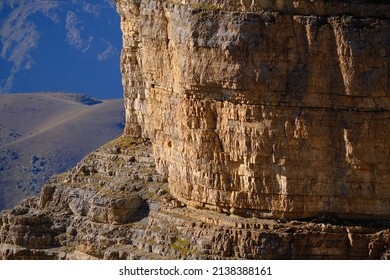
x=263 y=108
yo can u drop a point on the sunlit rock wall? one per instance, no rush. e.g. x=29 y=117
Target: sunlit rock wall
x=267 y=108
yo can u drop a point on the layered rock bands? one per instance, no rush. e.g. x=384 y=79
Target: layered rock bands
x=254 y=129
x=275 y=109
x=113 y=205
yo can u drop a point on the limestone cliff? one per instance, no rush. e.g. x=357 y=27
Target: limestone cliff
x=274 y=109
x=113 y=205
x=255 y=129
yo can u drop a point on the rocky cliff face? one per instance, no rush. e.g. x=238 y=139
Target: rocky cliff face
x=114 y=205
x=263 y=108
x=255 y=129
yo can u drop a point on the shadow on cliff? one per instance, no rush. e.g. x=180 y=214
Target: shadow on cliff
x=337 y=221
x=141 y=213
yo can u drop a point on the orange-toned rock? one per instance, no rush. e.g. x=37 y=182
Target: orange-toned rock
x=275 y=109
x=264 y=108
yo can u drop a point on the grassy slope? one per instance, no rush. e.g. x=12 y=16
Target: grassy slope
x=45 y=133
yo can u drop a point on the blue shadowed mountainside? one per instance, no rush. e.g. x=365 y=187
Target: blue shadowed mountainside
x=66 y=46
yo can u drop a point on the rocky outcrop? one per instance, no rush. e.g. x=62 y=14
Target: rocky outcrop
x=254 y=130
x=87 y=209
x=114 y=205
x=274 y=109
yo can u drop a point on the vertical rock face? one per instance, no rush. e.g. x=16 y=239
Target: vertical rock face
x=267 y=108
x=258 y=108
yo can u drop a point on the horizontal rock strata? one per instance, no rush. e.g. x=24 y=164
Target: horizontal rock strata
x=254 y=130
x=275 y=109
x=77 y=217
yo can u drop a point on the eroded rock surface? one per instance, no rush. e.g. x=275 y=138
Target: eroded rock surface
x=114 y=205
x=272 y=109
x=255 y=130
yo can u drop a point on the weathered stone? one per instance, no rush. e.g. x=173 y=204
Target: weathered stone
x=255 y=109
x=272 y=109
x=114 y=211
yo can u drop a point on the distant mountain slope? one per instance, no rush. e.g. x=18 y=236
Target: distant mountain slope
x=45 y=133
x=85 y=33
